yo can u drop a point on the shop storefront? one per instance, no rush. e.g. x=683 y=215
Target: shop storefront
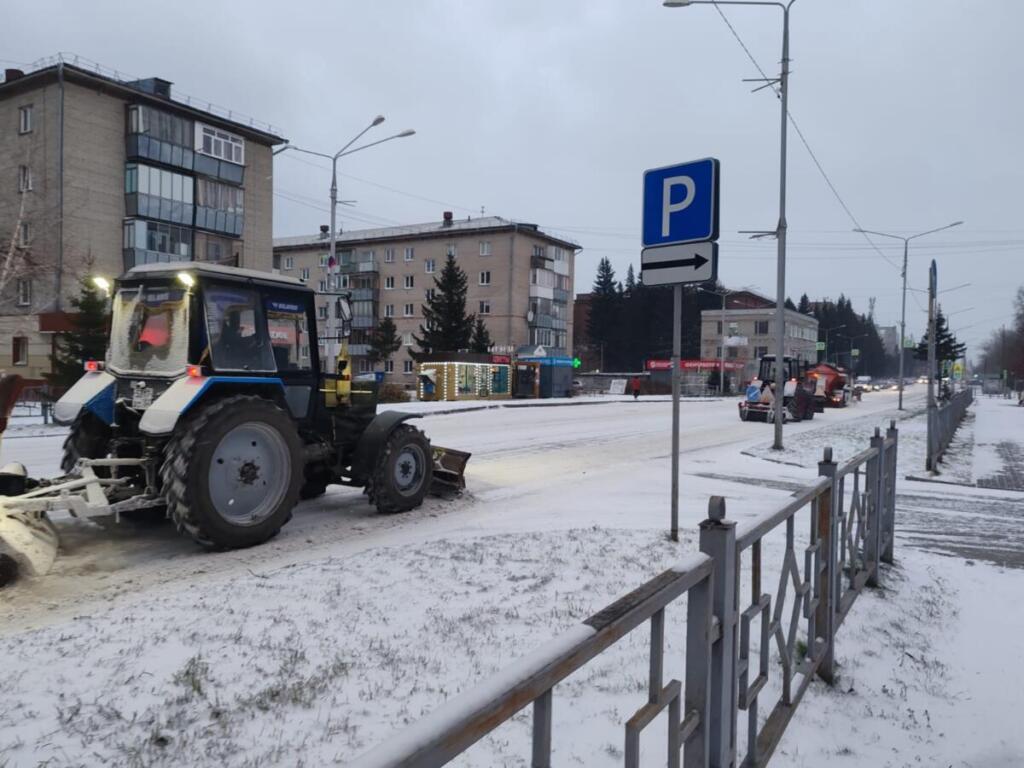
x=464 y=377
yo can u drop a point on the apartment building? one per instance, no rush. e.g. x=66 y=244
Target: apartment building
x=99 y=174
x=520 y=281
x=747 y=329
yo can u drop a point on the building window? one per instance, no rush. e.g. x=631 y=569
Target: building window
x=19 y=351
x=409 y=281
x=25 y=119
x=485 y=307
x=24 y=291
x=430 y=293
x=389 y=366
x=389 y=310
x=718 y=327
x=485 y=247
x=407 y=366
x=24 y=234
x=450 y=250
x=389 y=255
x=718 y=352
x=760 y=352
x=760 y=327
x=407 y=339
x=304 y=273
x=409 y=253
x=389 y=282
x=485 y=277
x=428 y=266
x=409 y=310
x=733 y=353
x=289 y=262
x=24 y=178
x=322 y=311
x=323 y=260
x=220 y=144
x=158 y=194
x=220 y=207
x=152 y=242
x=364 y=365
x=323 y=286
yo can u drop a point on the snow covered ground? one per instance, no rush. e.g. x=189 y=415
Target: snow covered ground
x=140 y=649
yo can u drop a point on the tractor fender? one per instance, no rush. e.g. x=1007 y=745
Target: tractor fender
x=373 y=440
x=162 y=415
x=93 y=392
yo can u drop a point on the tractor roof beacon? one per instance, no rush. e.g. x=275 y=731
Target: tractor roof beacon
x=214 y=408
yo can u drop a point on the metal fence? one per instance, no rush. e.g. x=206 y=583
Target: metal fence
x=942 y=424
x=849 y=516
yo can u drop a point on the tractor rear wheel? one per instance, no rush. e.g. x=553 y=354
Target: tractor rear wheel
x=232 y=472
x=88 y=438
x=404 y=471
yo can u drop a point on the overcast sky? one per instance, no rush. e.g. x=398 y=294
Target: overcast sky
x=549 y=112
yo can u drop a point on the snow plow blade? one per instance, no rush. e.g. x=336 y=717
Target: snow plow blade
x=29 y=539
x=449 y=470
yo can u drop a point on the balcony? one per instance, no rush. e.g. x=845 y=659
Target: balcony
x=541 y=262
x=561 y=296
x=354 y=264
x=358 y=350
x=363 y=322
x=363 y=294
x=143 y=147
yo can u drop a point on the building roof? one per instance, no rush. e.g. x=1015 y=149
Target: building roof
x=172 y=269
x=416 y=231
x=138 y=90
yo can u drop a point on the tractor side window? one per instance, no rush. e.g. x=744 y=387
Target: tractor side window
x=237 y=329
x=286 y=325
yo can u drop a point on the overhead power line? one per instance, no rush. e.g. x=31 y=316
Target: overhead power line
x=803 y=140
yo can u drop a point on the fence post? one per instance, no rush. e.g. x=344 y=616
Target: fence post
x=697 y=695
x=889 y=532
x=876 y=503
x=828 y=532
x=718 y=541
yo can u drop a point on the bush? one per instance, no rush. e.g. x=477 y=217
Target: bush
x=392 y=393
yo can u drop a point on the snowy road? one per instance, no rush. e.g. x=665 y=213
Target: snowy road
x=140 y=649
x=533 y=468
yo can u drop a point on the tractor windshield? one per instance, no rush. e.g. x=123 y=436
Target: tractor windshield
x=149 y=332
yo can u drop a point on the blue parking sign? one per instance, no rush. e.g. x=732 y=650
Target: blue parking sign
x=681 y=203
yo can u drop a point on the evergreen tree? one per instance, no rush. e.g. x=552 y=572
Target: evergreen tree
x=384 y=341
x=804 y=307
x=946 y=345
x=630 y=281
x=446 y=326
x=789 y=304
x=481 y=339
x=605 y=313
x=88 y=338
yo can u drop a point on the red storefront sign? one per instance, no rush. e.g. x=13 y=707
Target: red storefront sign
x=501 y=360
x=691 y=365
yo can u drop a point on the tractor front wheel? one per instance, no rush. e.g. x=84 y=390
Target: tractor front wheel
x=404 y=471
x=88 y=438
x=232 y=472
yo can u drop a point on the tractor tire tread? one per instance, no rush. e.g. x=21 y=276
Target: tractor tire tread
x=174 y=471
x=376 y=489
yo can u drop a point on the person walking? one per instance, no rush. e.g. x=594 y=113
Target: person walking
x=634 y=385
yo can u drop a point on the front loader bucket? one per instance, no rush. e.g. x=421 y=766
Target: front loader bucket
x=449 y=470
x=29 y=538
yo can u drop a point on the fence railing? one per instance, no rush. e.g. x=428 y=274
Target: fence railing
x=849 y=516
x=943 y=421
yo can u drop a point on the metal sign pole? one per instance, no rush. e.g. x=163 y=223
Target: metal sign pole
x=677 y=334
x=932 y=280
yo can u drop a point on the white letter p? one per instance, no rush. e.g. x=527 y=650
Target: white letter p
x=667 y=206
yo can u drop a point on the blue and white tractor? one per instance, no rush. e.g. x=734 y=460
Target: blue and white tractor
x=215 y=408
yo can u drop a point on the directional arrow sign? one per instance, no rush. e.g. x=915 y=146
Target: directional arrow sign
x=679 y=264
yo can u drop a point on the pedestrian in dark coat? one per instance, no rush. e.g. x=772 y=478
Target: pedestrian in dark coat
x=634 y=385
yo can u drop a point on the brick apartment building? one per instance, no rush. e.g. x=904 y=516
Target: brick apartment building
x=748 y=328
x=519 y=281
x=100 y=174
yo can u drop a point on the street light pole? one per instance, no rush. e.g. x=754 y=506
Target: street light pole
x=780 y=230
x=343 y=152
x=903 y=308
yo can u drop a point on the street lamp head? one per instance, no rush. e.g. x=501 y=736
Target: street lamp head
x=956 y=224
x=378 y=120
x=406 y=132
x=675 y=3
